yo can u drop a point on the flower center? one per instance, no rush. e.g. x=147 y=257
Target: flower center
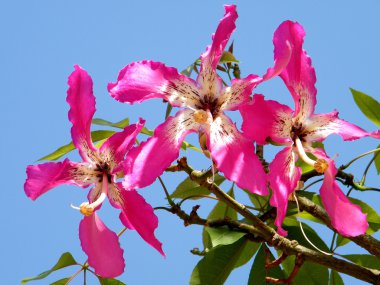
x=320 y=165
x=86 y=208
x=200 y=116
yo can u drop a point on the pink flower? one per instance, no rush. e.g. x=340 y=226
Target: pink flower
x=204 y=102
x=297 y=130
x=97 y=169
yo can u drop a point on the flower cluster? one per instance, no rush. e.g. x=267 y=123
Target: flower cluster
x=202 y=104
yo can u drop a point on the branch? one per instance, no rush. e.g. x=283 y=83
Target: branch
x=365 y=241
x=261 y=230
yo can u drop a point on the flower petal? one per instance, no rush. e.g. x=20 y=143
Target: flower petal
x=139 y=215
x=145 y=80
x=375 y=134
x=299 y=74
x=235 y=156
x=346 y=217
x=283 y=179
x=43 y=177
x=211 y=83
x=146 y=162
x=220 y=38
x=101 y=246
x=239 y=92
x=320 y=126
x=120 y=143
x=82 y=108
x=264 y=119
x=282 y=51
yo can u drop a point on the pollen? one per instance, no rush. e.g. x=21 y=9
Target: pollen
x=321 y=165
x=86 y=209
x=200 y=116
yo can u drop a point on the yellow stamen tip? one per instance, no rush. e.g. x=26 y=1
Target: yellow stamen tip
x=200 y=116
x=321 y=165
x=86 y=209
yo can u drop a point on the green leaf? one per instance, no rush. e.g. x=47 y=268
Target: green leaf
x=294 y=232
x=258 y=271
x=65 y=260
x=341 y=241
x=109 y=281
x=168 y=110
x=228 y=57
x=309 y=273
x=220 y=211
x=147 y=132
x=335 y=278
x=189 y=187
x=377 y=160
x=215 y=267
x=369 y=106
x=62 y=281
x=120 y=125
x=365 y=260
x=223 y=235
x=260 y=202
x=95 y=136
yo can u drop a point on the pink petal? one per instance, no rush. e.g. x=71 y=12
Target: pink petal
x=145 y=80
x=283 y=178
x=146 y=162
x=346 y=217
x=264 y=119
x=209 y=81
x=139 y=215
x=120 y=143
x=101 y=246
x=220 y=38
x=299 y=74
x=282 y=52
x=235 y=156
x=322 y=125
x=375 y=134
x=43 y=177
x=82 y=108
x=239 y=93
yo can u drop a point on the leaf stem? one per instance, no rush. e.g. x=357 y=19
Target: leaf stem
x=358 y=157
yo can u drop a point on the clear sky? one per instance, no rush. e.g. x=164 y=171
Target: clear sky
x=42 y=40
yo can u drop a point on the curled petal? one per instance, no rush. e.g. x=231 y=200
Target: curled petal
x=283 y=179
x=43 y=177
x=146 y=162
x=208 y=79
x=235 y=156
x=137 y=214
x=82 y=108
x=299 y=74
x=145 y=80
x=376 y=134
x=282 y=51
x=346 y=217
x=120 y=143
x=239 y=92
x=101 y=246
x=264 y=119
x=320 y=126
x=220 y=38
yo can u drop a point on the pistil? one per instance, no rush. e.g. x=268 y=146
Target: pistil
x=88 y=209
x=320 y=165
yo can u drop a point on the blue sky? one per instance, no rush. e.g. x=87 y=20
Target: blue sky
x=42 y=40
